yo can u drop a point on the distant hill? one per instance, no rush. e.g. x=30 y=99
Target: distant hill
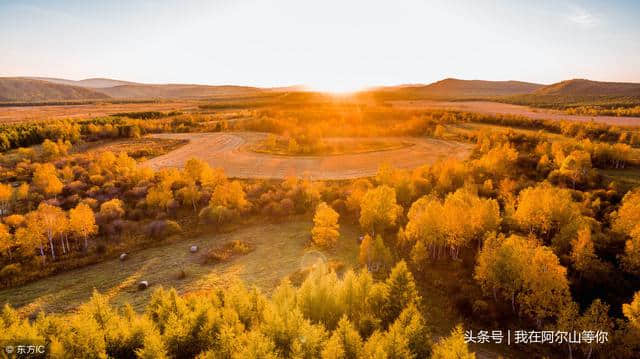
x=17 y=89
x=27 y=89
x=89 y=83
x=455 y=88
x=581 y=87
x=176 y=91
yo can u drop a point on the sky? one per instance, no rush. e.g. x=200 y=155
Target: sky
x=327 y=45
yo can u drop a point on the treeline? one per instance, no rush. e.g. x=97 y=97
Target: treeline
x=326 y=317
x=565 y=102
x=147 y=115
x=631 y=111
x=13 y=136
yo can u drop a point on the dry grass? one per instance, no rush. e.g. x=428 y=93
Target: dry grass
x=332 y=146
x=15 y=114
x=231 y=151
x=280 y=250
x=135 y=147
x=227 y=251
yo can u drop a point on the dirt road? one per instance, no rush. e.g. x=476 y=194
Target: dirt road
x=231 y=152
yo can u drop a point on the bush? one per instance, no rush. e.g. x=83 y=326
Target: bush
x=227 y=251
x=163 y=228
x=10 y=271
x=217 y=215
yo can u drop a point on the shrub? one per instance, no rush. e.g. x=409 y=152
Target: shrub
x=227 y=251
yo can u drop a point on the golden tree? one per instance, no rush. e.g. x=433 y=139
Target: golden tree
x=112 y=209
x=452 y=347
x=82 y=222
x=189 y=195
x=632 y=310
x=230 y=195
x=378 y=209
x=46 y=180
x=52 y=221
x=6 y=240
x=325 y=230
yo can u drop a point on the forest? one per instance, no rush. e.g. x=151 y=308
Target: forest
x=537 y=231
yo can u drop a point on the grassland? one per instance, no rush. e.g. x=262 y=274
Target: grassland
x=230 y=152
x=16 y=114
x=331 y=146
x=280 y=249
x=138 y=148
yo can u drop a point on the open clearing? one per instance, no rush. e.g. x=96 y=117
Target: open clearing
x=496 y=108
x=280 y=249
x=231 y=151
x=14 y=114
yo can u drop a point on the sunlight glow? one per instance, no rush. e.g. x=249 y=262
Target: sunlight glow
x=338 y=87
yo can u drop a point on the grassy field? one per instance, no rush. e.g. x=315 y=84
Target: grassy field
x=15 y=114
x=231 y=151
x=280 y=249
x=134 y=147
x=331 y=147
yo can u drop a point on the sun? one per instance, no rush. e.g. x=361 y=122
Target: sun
x=337 y=87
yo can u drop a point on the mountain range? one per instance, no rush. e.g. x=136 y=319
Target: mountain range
x=43 y=89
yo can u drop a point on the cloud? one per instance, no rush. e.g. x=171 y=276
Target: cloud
x=583 y=17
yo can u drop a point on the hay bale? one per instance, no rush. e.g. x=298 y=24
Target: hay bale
x=123 y=256
x=143 y=285
x=193 y=249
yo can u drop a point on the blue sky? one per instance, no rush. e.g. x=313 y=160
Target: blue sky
x=327 y=44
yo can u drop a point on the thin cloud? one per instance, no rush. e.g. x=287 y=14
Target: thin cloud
x=583 y=17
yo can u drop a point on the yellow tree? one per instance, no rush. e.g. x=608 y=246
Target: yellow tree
x=546 y=285
x=325 y=230
x=545 y=210
x=454 y=224
x=213 y=177
x=356 y=192
x=159 y=197
x=6 y=194
x=46 y=180
x=82 y=223
x=31 y=236
x=525 y=272
x=632 y=311
x=378 y=209
x=627 y=221
x=196 y=169
x=112 y=209
x=52 y=221
x=583 y=255
x=6 y=240
x=452 y=347
x=189 y=195
x=577 y=167
x=230 y=195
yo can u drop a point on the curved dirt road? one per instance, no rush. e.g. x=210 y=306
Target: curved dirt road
x=230 y=152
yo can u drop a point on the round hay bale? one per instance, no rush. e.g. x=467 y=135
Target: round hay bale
x=193 y=249
x=123 y=256
x=143 y=285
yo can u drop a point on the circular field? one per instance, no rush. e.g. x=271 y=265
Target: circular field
x=232 y=152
